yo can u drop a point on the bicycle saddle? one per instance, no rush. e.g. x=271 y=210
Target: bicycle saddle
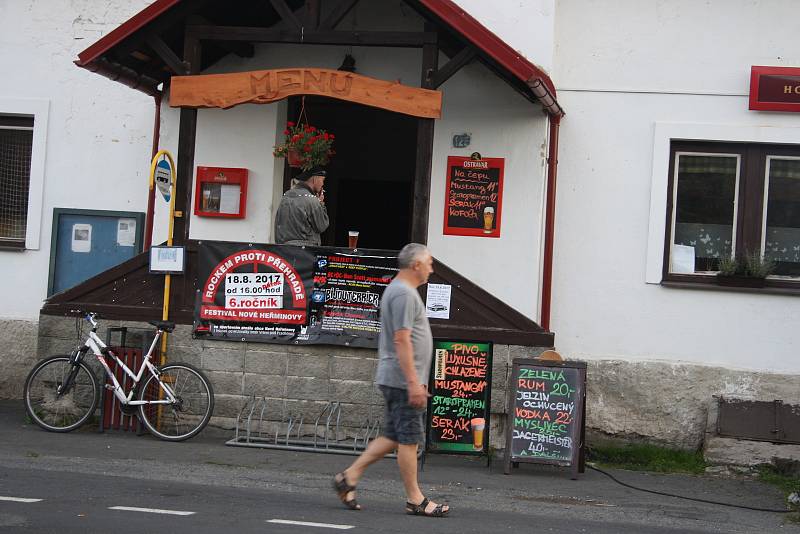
x=166 y=326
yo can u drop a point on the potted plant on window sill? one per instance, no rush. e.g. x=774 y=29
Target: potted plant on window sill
x=750 y=270
x=305 y=146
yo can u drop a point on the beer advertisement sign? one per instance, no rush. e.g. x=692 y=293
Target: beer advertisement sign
x=474 y=196
x=458 y=408
x=288 y=294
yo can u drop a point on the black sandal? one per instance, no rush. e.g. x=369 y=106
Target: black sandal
x=419 y=509
x=342 y=488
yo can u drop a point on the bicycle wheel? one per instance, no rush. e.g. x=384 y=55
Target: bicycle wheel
x=186 y=417
x=65 y=411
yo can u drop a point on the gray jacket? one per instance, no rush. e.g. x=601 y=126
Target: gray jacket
x=301 y=217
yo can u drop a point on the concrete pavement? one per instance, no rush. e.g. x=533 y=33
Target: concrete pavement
x=464 y=482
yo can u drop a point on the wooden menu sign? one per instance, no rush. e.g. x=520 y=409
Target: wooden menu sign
x=265 y=86
x=546 y=414
x=460 y=397
x=474 y=196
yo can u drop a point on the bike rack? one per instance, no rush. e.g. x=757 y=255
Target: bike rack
x=326 y=435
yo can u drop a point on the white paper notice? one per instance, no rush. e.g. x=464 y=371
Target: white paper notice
x=438 y=301
x=81 y=238
x=126 y=232
x=229 y=198
x=682 y=259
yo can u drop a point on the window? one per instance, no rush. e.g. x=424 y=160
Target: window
x=16 y=144
x=732 y=200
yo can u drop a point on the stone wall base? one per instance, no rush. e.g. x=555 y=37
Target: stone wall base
x=656 y=402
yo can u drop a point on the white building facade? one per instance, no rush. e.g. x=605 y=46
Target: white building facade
x=643 y=84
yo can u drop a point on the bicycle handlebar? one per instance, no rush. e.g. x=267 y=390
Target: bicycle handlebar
x=90 y=317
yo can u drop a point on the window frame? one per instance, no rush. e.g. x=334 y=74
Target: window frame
x=24 y=123
x=39 y=109
x=750 y=202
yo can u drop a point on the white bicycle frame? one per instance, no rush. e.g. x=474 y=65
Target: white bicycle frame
x=97 y=346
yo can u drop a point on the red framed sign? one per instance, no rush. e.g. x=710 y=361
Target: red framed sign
x=775 y=88
x=221 y=192
x=473 y=199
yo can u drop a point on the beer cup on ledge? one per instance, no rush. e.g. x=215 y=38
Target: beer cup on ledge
x=352 y=239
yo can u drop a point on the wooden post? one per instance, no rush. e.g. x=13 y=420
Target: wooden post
x=187 y=136
x=425 y=128
x=183 y=294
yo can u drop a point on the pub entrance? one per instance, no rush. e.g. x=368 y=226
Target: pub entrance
x=370 y=180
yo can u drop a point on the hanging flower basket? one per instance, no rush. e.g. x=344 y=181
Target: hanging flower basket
x=305 y=146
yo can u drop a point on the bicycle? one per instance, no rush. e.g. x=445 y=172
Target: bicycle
x=175 y=401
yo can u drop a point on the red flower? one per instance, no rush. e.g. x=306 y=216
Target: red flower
x=290 y=124
x=286 y=132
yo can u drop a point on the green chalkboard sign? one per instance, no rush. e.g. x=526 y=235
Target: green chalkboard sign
x=458 y=409
x=546 y=414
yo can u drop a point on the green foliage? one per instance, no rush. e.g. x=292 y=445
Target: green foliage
x=728 y=265
x=314 y=147
x=648 y=458
x=787 y=483
x=750 y=264
x=756 y=266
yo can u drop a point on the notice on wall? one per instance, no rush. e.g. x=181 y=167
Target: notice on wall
x=460 y=397
x=437 y=301
x=473 y=197
x=81 y=238
x=287 y=294
x=546 y=412
x=126 y=232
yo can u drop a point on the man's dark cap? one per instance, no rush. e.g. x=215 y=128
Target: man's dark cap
x=314 y=171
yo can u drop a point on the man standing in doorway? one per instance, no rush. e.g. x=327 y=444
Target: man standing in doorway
x=302 y=216
x=405 y=349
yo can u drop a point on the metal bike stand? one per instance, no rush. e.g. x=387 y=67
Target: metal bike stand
x=325 y=436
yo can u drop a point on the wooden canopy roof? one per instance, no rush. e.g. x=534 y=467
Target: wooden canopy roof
x=153 y=45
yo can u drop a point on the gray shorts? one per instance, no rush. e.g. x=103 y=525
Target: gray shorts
x=402 y=423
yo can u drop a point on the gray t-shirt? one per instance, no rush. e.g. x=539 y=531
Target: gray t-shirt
x=402 y=309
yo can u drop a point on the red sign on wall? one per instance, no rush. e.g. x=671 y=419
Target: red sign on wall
x=775 y=88
x=474 y=196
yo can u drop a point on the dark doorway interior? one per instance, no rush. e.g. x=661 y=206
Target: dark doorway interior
x=370 y=180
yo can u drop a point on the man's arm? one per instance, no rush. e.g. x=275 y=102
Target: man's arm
x=319 y=216
x=417 y=393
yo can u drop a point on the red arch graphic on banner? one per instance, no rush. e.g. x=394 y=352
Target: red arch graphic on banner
x=256 y=257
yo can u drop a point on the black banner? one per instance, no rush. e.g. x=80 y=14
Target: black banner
x=288 y=294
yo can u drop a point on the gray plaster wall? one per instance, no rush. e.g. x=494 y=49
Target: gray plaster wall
x=657 y=402
x=667 y=403
x=17 y=356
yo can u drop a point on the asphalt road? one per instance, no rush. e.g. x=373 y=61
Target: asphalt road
x=79 y=480
x=74 y=502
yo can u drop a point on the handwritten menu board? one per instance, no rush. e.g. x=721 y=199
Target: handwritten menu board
x=474 y=195
x=460 y=397
x=546 y=413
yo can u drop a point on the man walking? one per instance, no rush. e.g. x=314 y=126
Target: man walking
x=405 y=350
x=301 y=215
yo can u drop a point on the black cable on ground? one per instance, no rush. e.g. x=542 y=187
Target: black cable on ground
x=688 y=498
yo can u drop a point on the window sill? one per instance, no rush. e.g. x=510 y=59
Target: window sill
x=771 y=287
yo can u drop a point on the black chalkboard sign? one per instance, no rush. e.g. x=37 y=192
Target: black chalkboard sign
x=546 y=414
x=473 y=196
x=458 y=408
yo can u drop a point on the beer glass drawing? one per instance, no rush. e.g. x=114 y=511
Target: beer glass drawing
x=488 y=219
x=478 y=426
x=352 y=239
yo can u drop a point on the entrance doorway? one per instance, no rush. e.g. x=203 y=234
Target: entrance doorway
x=370 y=180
